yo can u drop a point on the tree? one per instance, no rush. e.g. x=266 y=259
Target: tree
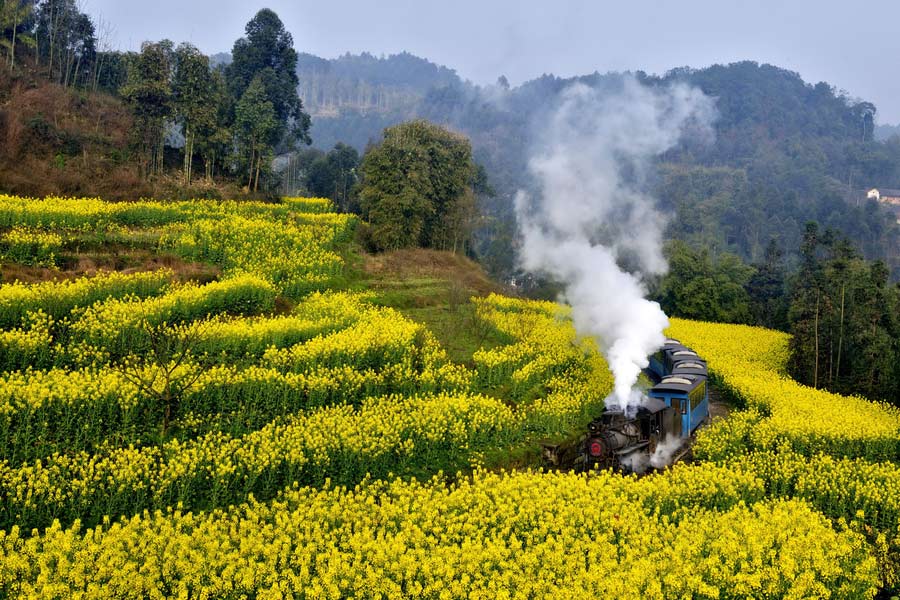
x=766 y=288
x=806 y=310
x=416 y=188
x=255 y=122
x=844 y=320
x=148 y=92
x=66 y=41
x=166 y=366
x=193 y=95
x=698 y=287
x=219 y=143
x=267 y=55
x=16 y=21
x=334 y=176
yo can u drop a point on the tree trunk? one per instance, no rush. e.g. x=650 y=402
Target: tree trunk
x=77 y=68
x=816 y=333
x=250 y=179
x=51 y=28
x=187 y=155
x=12 y=48
x=837 y=369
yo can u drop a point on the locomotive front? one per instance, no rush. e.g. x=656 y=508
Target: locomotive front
x=671 y=411
x=615 y=439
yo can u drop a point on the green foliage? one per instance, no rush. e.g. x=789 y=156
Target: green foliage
x=194 y=96
x=335 y=175
x=255 y=121
x=844 y=320
x=16 y=23
x=267 y=55
x=700 y=287
x=416 y=188
x=148 y=93
x=66 y=42
x=768 y=302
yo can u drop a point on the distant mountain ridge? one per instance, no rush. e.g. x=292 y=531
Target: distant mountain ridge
x=786 y=151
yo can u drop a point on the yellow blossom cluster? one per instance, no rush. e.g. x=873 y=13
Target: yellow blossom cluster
x=212 y=474
x=383 y=435
x=749 y=363
x=28 y=346
x=543 y=343
x=372 y=351
x=58 y=298
x=91 y=214
x=296 y=257
x=521 y=535
x=30 y=246
x=114 y=325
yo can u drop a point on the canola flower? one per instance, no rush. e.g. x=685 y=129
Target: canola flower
x=63 y=409
x=28 y=346
x=114 y=326
x=296 y=257
x=58 y=298
x=92 y=214
x=341 y=391
x=31 y=246
x=393 y=434
x=516 y=535
x=543 y=344
x=749 y=364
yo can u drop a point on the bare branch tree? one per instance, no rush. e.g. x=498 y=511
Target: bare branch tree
x=166 y=366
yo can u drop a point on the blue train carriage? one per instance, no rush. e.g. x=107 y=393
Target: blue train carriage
x=658 y=360
x=687 y=393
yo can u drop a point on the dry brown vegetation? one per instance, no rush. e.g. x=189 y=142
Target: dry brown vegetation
x=422 y=264
x=58 y=141
x=130 y=261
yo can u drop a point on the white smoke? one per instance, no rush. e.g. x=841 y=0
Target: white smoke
x=590 y=216
x=665 y=451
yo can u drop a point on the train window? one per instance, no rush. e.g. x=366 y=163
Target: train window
x=685 y=353
x=698 y=394
x=679 y=380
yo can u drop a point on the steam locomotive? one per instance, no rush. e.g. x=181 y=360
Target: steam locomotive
x=669 y=415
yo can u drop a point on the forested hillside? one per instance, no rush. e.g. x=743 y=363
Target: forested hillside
x=785 y=151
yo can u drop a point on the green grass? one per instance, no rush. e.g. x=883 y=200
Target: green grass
x=458 y=330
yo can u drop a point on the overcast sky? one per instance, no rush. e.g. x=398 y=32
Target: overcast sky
x=853 y=46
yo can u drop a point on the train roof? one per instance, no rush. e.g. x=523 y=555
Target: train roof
x=653 y=405
x=698 y=367
x=681 y=383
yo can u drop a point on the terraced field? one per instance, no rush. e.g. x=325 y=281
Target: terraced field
x=284 y=429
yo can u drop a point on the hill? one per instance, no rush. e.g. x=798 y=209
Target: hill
x=786 y=151
x=59 y=141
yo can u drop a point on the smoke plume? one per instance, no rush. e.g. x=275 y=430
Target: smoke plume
x=589 y=216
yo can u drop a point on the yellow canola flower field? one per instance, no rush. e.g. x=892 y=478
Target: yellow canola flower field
x=298 y=257
x=114 y=326
x=374 y=351
x=96 y=474
x=749 y=363
x=383 y=435
x=91 y=214
x=31 y=246
x=518 y=535
x=543 y=344
x=58 y=298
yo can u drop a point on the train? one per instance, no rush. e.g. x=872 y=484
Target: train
x=662 y=425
